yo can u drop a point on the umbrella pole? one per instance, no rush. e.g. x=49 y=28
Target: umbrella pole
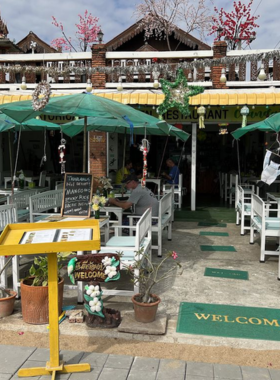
x=85 y=145
x=11 y=160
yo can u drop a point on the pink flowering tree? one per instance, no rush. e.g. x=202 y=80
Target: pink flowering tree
x=86 y=33
x=161 y=18
x=235 y=26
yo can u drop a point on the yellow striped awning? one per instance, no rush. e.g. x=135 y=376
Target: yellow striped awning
x=148 y=98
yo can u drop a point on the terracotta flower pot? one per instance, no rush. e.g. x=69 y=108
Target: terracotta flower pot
x=35 y=302
x=7 y=304
x=145 y=312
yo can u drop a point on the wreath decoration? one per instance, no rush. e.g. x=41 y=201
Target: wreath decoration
x=43 y=88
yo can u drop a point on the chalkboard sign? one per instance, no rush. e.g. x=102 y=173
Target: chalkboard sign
x=77 y=194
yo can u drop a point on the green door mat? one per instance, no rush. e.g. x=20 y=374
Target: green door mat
x=208 y=224
x=209 y=233
x=226 y=273
x=220 y=248
x=229 y=321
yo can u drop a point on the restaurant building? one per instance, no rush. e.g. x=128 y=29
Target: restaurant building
x=127 y=69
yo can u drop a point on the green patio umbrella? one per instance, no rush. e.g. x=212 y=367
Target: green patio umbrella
x=271 y=124
x=8 y=124
x=119 y=125
x=82 y=105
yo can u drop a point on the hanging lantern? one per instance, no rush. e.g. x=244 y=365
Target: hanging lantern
x=244 y=112
x=61 y=152
x=201 y=112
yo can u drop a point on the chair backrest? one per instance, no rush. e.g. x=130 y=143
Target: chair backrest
x=21 y=199
x=42 y=178
x=143 y=228
x=165 y=204
x=8 y=214
x=45 y=201
x=258 y=209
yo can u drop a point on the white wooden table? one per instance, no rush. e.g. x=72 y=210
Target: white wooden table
x=118 y=211
x=26 y=179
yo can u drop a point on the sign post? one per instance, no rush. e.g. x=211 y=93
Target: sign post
x=12 y=243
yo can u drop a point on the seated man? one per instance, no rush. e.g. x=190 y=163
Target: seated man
x=173 y=176
x=122 y=173
x=141 y=197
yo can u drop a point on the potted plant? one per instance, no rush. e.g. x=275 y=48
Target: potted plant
x=34 y=290
x=7 y=296
x=104 y=185
x=148 y=273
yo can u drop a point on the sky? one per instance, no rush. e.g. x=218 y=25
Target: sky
x=23 y=16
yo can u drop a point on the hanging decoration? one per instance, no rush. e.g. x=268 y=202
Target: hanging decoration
x=223 y=128
x=164 y=69
x=145 y=147
x=244 y=112
x=44 y=89
x=177 y=94
x=44 y=158
x=61 y=152
x=201 y=112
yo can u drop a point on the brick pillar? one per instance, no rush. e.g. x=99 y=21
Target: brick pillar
x=98 y=80
x=98 y=155
x=98 y=140
x=219 y=51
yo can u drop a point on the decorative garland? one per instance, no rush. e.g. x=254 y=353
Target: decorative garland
x=164 y=69
x=43 y=88
x=177 y=94
x=145 y=147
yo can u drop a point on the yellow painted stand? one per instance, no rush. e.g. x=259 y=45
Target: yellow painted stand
x=9 y=246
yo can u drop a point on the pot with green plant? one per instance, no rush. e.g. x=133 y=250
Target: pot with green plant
x=7 y=296
x=147 y=274
x=34 y=290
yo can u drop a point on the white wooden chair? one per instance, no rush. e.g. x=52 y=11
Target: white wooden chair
x=40 y=203
x=243 y=200
x=164 y=220
x=266 y=226
x=8 y=215
x=128 y=245
x=21 y=199
x=179 y=191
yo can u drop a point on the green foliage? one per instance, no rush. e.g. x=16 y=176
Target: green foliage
x=39 y=268
x=147 y=273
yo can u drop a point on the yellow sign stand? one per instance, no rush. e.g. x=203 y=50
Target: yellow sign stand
x=10 y=246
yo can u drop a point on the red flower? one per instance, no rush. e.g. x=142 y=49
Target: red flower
x=174 y=255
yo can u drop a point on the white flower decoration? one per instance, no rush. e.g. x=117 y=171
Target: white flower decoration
x=107 y=261
x=95 y=305
x=111 y=271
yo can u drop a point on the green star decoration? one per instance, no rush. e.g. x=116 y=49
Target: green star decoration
x=177 y=94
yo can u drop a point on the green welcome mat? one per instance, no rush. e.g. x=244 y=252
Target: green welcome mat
x=220 y=248
x=209 y=233
x=229 y=321
x=208 y=224
x=226 y=273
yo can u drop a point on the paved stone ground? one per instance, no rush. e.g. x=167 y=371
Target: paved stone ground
x=121 y=367
x=261 y=290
